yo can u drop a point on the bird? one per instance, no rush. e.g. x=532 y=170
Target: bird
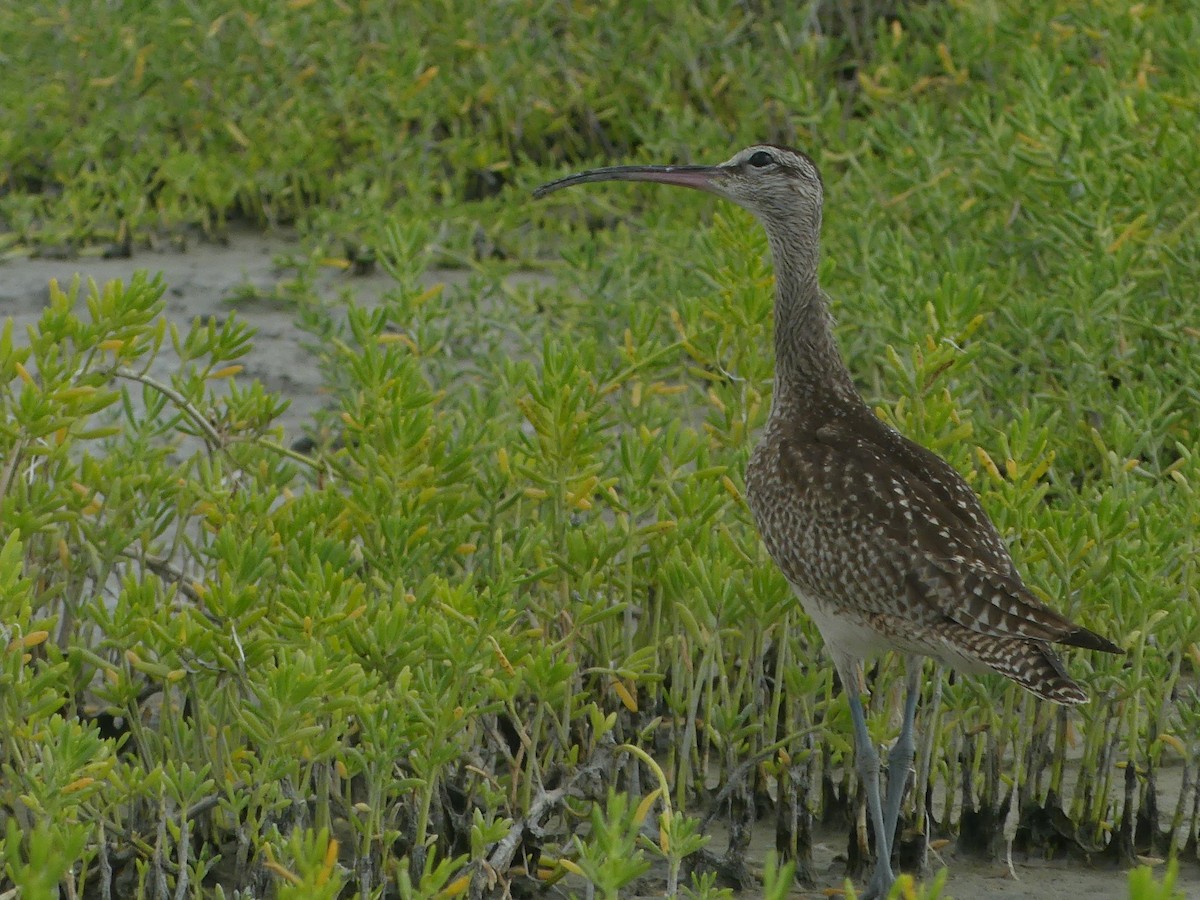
x=884 y=544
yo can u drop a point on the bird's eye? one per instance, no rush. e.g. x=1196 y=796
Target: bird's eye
x=761 y=159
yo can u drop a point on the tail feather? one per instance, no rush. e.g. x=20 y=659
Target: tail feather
x=1035 y=667
x=1032 y=664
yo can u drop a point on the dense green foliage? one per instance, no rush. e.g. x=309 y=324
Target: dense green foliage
x=515 y=571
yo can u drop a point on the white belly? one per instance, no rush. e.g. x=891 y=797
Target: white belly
x=850 y=638
x=844 y=635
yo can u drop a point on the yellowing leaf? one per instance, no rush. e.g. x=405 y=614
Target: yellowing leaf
x=643 y=808
x=943 y=53
x=731 y=488
x=216 y=25
x=458 y=886
x=236 y=133
x=500 y=657
x=627 y=698
x=139 y=63
x=30 y=640
x=425 y=77
x=988 y=464
x=331 y=853
x=571 y=866
x=429 y=293
x=78 y=784
x=1133 y=228
x=1174 y=743
x=281 y=871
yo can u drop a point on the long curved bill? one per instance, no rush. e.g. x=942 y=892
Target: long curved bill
x=702 y=178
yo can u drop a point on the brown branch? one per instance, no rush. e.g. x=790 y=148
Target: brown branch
x=544 y=803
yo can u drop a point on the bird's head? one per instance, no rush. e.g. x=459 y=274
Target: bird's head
x=781 y=187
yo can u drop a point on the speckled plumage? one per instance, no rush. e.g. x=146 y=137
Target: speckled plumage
x=884 y=544
x=875 y=530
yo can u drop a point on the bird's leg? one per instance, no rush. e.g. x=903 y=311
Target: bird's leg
x=867 y=762
x=900 y=759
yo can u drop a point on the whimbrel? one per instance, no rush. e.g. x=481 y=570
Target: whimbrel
x=884 y=544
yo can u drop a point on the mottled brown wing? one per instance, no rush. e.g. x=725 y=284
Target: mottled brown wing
x=937 y=487
x=990 y=603
x=930 y=531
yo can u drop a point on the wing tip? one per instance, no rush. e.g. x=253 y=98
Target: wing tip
x=1089 y=640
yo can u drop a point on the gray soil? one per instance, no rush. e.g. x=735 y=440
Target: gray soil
x=206 y=279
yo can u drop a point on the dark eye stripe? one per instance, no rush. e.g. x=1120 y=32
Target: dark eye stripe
x=761 y=159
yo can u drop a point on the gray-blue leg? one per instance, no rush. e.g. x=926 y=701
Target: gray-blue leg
x=900 y=759
x=867 y=760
